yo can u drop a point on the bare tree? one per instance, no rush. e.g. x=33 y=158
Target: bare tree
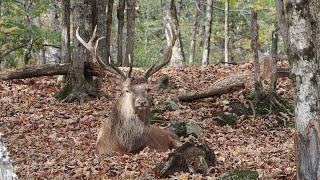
x=55 y=26
x=120 y=17
x=255 y=48
x=65 y=32
x=226 y=31
x=131 y=16
x=303 y=25
x=108 y=27
x=194 y=32
x=207 y=34
x=282 y=22
x=171 y=20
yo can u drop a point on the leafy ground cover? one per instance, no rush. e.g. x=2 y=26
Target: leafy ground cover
x=48 y=139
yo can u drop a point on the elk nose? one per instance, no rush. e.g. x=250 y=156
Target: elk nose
x=142 y=102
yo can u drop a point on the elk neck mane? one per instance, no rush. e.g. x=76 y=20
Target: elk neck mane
x=128 y=126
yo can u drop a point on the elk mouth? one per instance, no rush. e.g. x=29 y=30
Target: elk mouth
x=141 y=107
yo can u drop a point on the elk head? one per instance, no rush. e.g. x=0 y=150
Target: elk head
x=135 y=91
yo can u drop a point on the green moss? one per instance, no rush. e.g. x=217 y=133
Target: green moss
x=224 y=118
x=240 y=175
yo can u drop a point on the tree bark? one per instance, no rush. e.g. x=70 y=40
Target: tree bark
x=28 y=27
x=6 y=168
x=79 y=87
x=56 y=53
x=226 y=31
x=120 y=16
x=303 y=52
x=131 y=16
x=65 y=32
x=282 y=22
x=255 y=48
x=274 y=54
x=207 y=34
x=108 y=29
x=211 y=93
x=171 y=20
x=194 y=32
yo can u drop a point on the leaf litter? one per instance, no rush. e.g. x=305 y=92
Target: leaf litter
x=48 y=139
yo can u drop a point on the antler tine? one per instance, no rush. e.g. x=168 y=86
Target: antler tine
x=94 y=51
x=121 y=73
x=167 y=53
x=130 y=66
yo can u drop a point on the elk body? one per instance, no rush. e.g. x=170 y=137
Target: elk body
x=128 y=129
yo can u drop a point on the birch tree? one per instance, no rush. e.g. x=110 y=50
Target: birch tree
x=171 y=20
x=303 y=20
x=65 y=31
x=226 y=31
x=194 y=31
x=207 y=34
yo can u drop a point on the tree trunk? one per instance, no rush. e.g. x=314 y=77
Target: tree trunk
x=207 y=34
x=78 y=86
x=194 y=32
x=255 y=48
x=100 y=17
x=56 y=53
x=171 y=20
x=108 y=28
x=226 y=31
x=120 y=16
x=282 y=22
x=6 y=169
x=41 y=54
x=274 y=54
x=65 y=32
x=28 y=27
x=130 y=31
x=303 y=51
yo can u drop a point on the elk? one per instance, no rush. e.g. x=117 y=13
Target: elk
x=128 y=128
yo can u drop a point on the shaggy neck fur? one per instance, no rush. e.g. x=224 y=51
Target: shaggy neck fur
x=130 y=126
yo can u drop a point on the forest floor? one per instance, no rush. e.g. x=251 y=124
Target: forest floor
x=48 y=139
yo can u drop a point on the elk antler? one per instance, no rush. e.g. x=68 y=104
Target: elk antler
x=166 y=55
x=96 y=58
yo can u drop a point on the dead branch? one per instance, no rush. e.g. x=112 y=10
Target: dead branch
x=212 y=93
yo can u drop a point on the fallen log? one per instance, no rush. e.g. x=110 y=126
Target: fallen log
x=212 y=93
x=49 y=70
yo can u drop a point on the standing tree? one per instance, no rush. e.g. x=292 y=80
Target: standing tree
x=303 y=51
x=55 y=26
x=226 y=31
x=194 y=32
x=131 y=16
x=120 y=17
x=65 y=32
x=171 y=20
x=207 y=34
x=80 y=86
x=108 y=27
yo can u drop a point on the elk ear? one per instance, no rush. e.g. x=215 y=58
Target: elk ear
x=115 y=82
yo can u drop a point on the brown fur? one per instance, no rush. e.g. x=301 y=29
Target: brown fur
x=128 y=129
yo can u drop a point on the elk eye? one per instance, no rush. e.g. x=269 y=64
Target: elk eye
x=127 y=91
x=148 y=90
